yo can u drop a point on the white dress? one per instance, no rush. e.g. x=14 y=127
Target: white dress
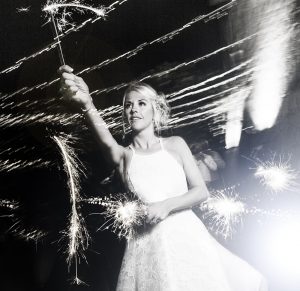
x=177 y=254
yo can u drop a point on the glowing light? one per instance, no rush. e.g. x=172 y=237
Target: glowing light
x=276 y=176
x=123 y=213
x=223 y=210
x=77 y=233
x=270 y=79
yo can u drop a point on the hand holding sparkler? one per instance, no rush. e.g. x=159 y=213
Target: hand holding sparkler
x=157 y=212
x=74 y=89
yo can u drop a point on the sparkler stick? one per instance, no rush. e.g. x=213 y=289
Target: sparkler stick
x=59 y=48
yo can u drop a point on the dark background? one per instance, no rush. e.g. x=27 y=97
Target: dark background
x=42 y=191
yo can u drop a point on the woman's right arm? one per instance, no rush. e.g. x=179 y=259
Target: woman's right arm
x=75 y=90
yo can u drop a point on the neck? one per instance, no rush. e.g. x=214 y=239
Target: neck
x=144 y=139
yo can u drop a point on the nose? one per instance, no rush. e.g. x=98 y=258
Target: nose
x=133 y=108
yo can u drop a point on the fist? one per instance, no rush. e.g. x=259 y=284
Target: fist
x=73 y=88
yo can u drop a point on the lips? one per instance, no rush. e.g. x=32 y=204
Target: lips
x=133 y=118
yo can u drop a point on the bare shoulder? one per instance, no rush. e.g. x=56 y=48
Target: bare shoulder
x=175 y=143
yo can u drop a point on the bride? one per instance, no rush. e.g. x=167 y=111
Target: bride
x=175 y=252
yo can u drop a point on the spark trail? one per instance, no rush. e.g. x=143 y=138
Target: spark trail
x=77 y=233
x=12 y=165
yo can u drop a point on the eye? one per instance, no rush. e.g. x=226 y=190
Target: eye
x=127 y=105
x=142 y=103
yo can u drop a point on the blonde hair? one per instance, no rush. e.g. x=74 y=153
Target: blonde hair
x=159 y=104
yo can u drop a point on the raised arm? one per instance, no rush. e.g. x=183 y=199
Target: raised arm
x=75 y=90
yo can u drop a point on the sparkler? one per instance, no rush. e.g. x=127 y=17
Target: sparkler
x=77 y=233
x=223 y=210
x=123 y=213
x=52 y=8
x=53 y=45
x=276 y=175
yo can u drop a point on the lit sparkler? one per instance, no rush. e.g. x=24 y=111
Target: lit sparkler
x=77 y=233
x=276 y=175
x=223 y=210
x=123 y=213
x=53 y=7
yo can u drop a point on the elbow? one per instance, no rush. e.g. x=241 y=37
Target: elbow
x=203 y=194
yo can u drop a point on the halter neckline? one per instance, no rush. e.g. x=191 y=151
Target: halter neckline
x=145 y=153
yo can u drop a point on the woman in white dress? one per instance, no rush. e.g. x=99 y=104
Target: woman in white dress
x=175 y=252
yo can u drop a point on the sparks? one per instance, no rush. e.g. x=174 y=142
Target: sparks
x=77 y=234
x=223 y=210
x=12 y=205
x=123 y=214
x=52 y=7
x=276 y=175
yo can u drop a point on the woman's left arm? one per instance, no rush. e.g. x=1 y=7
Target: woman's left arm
x=197 y=189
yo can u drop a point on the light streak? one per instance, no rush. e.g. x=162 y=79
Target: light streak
x=223 y=210
x=12 y=165
x=123 y=212
x=23 y=9
x=272 y=50
x=177 y=67
x=163 y=39
x=77 y=234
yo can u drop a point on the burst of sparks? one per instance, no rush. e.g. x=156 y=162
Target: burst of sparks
x=64 y=19
x=123 y=214
x=223 y=210
x=276 y=175
x=77 y=233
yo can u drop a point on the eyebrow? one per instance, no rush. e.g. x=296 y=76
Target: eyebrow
x=143 y=99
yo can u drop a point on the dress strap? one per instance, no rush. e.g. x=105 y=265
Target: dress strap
x=161 y=144
x=132 y=148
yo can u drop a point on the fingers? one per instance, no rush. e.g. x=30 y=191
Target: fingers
x=153 y=220
x=65 y=68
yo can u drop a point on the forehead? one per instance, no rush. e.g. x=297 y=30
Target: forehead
x=135 y=96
